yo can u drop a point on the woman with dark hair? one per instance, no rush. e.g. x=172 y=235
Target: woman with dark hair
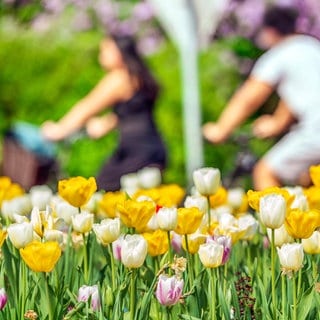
x=130 y=90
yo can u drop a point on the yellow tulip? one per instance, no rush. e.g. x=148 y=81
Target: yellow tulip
x=194 y=242
x=219 y=198
x=41 y=256
x=3 y=236
x=77 y=190
x=313 y=197
x=135 y=214
x=157 y=242
x=315 y=175
x=255 y=196
x=312 y=244
x=9 y=190
x=108 y=204
x=301 y=224
x=189 y=220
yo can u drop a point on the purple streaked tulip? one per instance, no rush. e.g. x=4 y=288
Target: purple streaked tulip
x=169 y=290
x=87 y=292
x=226 y=242
x=3 y=298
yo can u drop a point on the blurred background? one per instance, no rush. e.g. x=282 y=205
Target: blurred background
x=48 y=58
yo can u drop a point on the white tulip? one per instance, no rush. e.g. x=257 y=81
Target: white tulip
x=211 y=254
x=197 y=201
x=250 y=224
x=153 y=223
x=20 y=234
x=19 y=205
x=40 y=196
x=312 y=244
x=92 y=204
x=65 y=211
x=207 y=180
x=134 y=250
x=107 y=231
x=300 y=202
x=235 y=197
x=82 y=222
x=291 y=257
x=54 y=235
x=167 y=218
x=272 y=210
x=149 y=177
x=129 y=183
x=281 y=236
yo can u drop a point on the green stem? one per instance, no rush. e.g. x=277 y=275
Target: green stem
x=213 y=294
x=294 y=297
x=225 y=274
x=132 y=295
x=299 y=281
x=283 y=294
x=209 y=213
x=85 y=260
x=190 y=264
x=113 y=274
x=169 y=248
x=273 y=276
x=314 y=269
x=23 y=289
x=48 y=296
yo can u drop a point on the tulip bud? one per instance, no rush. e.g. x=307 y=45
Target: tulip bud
x=87 y=292
x=211 y=254
x=134 y=251
x=82 y=222
x=167 y=218
x=107 y=231
x=3 y=298
x=20 y=234
x=281 y=236
x=149 y=177
x=169 y=290
x=207 y=180
x=272 y=210
x=40 y=196
x=291 y=257
x=312 y=244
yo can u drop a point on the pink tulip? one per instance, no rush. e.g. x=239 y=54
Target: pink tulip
x=169 y=290
x=3 y=298
x=87 y=292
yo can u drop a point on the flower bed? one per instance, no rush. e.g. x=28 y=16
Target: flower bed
x=159 y=252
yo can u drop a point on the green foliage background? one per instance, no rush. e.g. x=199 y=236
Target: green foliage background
x=42 y=76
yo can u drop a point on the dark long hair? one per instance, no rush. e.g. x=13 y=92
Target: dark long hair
x=136 y=66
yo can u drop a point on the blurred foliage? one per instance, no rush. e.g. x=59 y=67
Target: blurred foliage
x=42 y=76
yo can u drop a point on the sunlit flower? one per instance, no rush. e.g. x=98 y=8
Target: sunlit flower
x=226 y=242
x=77 y=190
x=312 y=245
x=136 y=214
x=149 y=177
x=20 y=234
x=167 y=218
x=134 y=250
x=9 y=190
x=291 y=257
x=272 y=210
x=301 y=224
x=3 y=298
x=211 y=254
x=281 y=236
x=157 y=242
x=207 y=180
x=90 y=293
x=107 y=206
x=107 y=231
x=41 y=256
x=169 y=290
x=40 y=196
x=189 y=220
x=82 y=222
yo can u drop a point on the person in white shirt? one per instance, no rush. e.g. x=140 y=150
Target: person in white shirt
x=291 y=66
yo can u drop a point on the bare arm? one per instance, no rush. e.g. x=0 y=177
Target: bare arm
x=111 y=89
x=97 y=127
x=244 y=102
x=268 y=125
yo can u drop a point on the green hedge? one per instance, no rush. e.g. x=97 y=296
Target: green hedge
x=42 y=76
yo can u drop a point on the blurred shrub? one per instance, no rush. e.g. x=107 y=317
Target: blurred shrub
x=43 y=76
